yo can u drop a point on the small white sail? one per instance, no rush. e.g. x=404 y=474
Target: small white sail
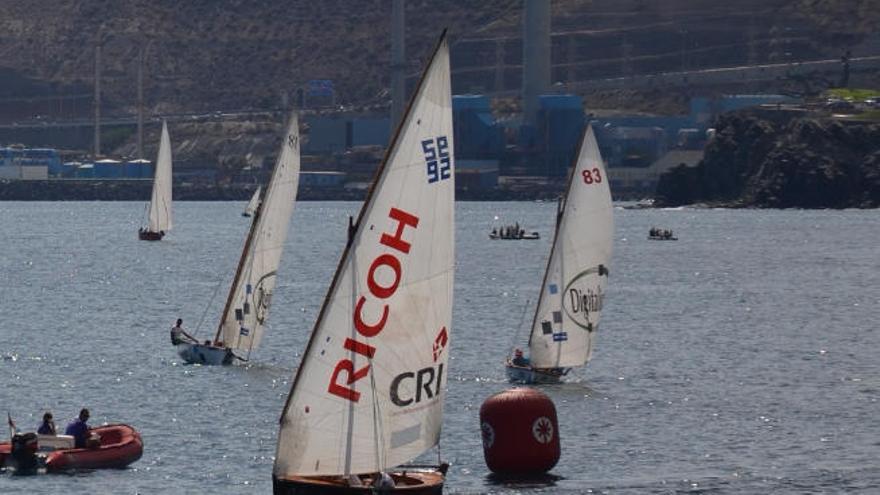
x=252 y=204
x=369 y=392
x=573 y=291
x=160 y=201
x=250 y=295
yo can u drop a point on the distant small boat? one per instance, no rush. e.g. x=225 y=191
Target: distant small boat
x=159 y=210
x=120 y=446
x=252 y=204
x=513 y=233
x=656 y=234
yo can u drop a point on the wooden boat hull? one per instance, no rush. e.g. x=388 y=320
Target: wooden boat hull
x=528 y=375
x=146 y=235
x=204 y=354
x=121 y=445
x=661 y=238
x=418 y=482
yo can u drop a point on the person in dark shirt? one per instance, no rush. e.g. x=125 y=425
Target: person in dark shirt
x=79 y=429
x=47 y=427
x=519 y=359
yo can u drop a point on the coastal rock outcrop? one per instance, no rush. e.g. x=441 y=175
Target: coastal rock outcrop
x=771 y=160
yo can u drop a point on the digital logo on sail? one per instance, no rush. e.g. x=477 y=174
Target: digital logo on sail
x=582 y=299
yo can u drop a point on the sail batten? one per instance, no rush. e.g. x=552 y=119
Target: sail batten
x=369 y=392
x=159 y=216
x=573 y=291
x=250 y=295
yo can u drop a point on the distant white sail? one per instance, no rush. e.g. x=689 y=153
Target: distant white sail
x=573 y=291
x=252 y=204
x=250 y=295
x=369 y=392
x=160 y=201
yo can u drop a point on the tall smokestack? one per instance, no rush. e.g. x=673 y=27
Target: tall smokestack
x=140 y=116
x=536 y=55
x=98 y=98
x=398 y=63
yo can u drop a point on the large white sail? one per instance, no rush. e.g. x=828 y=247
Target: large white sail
x=369 y=392
x=250 y=295
x=252 y=204
x=573 y=291
x=160 y=201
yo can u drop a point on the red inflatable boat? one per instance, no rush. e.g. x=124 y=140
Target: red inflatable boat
x=120 y=446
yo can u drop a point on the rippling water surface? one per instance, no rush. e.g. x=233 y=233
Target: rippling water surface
x=741 y=359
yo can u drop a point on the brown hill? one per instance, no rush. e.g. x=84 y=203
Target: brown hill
x=203 y=55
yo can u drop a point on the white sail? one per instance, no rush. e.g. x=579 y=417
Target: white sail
x=252 y=204
x=250 y=295
x=573 y=291
x=160 y=201
x=369 y=392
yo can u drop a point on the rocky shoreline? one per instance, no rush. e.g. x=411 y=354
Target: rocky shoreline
x=767 y=159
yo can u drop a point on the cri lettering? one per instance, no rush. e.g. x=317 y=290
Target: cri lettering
x=371 y=325
x=424 y=379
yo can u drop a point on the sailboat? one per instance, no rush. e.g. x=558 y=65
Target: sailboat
x=368 y=395
x=573 y=291
x=250 y=295
x=253 y=203
x=159 y=210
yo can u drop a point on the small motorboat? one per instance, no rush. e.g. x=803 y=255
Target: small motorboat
x=118 y=446
x=513 y=233
x=656 y=234
x=146 y=235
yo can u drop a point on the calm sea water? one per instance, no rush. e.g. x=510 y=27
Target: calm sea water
x=743 y=358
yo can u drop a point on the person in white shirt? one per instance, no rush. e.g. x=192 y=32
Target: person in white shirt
x=179 y=335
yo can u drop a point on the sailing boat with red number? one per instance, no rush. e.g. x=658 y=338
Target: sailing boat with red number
x=368 y=395
x=573 y=292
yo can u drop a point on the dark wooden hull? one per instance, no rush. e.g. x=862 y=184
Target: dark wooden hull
x=146 y=235
x=408 y=482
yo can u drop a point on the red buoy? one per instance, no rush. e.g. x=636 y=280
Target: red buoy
x=520 y=432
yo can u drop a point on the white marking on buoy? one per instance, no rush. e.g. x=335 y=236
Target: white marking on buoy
x=542 y=430
x=488 y=435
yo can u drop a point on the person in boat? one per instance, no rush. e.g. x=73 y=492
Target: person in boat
x=519 y=359
x=47 y=427
x=79 y=430
x=179 y=335
x=383 y=481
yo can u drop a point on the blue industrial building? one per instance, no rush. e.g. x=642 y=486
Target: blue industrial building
x=477 y=135
x=30 y=157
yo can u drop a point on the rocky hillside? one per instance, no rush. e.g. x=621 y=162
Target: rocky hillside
x=206 y=55
x=769 y=159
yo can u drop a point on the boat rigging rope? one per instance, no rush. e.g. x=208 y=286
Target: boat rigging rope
x=519 y=326
x=208 y=306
